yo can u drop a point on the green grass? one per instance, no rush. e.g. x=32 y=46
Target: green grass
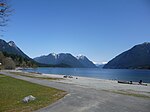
x=12 y=91
x=1 y=75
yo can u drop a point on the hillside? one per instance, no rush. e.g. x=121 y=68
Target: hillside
x=11 y=48
x=85 y=62
x=11 y=56
x=66 y=59
x=10 y=61
x=138 y=57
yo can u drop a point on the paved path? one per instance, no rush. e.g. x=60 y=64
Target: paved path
x=82 y=99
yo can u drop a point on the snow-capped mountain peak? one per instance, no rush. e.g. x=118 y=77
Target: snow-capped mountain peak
x=80 y=56
x=11 y=48
x=66 y=59
x=55 y=55
x=85 y=61
x=12 y=44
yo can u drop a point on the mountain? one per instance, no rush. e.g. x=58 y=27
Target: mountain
x=138 y=57
x=10 y=53
x=64 y=59
x=11 y=48
x=59 y=59
x=85 y=62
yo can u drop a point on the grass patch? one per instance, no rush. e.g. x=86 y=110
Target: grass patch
x=12 y=91
x=32 y=75
x=1 y=75
x=128 y=93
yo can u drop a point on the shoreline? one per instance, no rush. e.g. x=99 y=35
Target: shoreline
x=99 y=84
x=109 y=76
x=61 y=76
x=86 y=92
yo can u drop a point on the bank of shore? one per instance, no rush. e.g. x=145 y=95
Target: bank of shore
x=86 y=94
x=98 y=84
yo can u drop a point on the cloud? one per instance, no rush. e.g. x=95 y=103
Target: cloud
x=99 y=63
x=104 y=62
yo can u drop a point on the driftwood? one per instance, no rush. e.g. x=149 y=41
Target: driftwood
x=125 y=82
x=69 y=76
x=133 y=83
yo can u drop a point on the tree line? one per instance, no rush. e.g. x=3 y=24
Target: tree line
x=11 y=61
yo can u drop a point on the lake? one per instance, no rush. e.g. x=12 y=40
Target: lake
x=111 y=74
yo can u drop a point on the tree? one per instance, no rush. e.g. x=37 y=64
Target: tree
x=1 y=57
x=4 y=12
x=8 y=63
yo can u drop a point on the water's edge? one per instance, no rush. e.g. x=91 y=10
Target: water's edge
x=109 y=74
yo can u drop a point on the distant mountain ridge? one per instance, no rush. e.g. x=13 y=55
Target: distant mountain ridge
x=67 y=59
x=138 y=57
x=11 y=56
x=85 y=61
x=11 y=48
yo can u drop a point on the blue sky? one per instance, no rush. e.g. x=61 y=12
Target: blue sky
x=99 y=29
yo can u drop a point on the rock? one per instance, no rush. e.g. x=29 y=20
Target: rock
x=28 y=99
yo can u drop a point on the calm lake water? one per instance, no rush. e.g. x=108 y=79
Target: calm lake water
x=112 y=74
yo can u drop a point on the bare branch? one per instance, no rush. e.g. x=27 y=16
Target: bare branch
x=4 y=12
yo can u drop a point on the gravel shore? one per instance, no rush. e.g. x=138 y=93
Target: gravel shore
x=91 y=95
x=98 y=84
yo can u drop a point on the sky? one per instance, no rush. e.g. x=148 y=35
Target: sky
x=98 y=29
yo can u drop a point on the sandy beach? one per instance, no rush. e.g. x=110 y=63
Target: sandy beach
x=98 y=84
x=90 y=94
x=102 y=84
